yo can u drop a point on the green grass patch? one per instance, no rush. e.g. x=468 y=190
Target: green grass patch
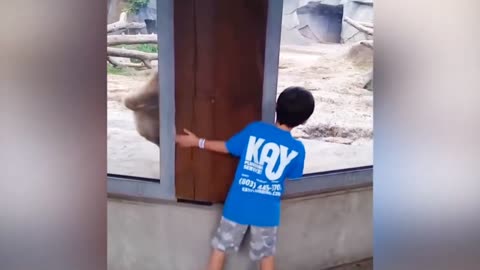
x=133 y=6
x=148 y=48
x=116 y=70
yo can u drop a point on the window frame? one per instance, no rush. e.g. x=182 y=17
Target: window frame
x=312 y=183
x=308 y=184
x=163 y=189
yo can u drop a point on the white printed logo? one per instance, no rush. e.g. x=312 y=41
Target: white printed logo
x=262 y=157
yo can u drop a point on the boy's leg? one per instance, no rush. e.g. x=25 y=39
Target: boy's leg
x=263 y=246
x=228 y=237
x=267 y=263
x=217 y=259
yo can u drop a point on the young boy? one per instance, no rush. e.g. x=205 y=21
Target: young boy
x=268 y=155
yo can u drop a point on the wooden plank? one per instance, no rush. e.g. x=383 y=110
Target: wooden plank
x=203 y=165
x=204 y=94
x=184 y=32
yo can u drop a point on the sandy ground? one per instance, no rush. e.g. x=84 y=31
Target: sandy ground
x=339 y=134
x=128 y=152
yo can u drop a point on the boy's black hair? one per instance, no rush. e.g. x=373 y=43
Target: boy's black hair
x=294 y=106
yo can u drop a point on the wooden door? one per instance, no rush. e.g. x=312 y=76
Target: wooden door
x=219 y=55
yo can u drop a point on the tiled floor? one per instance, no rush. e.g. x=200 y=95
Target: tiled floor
x=363 y=265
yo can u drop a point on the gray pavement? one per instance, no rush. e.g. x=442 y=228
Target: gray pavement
x=363 y=265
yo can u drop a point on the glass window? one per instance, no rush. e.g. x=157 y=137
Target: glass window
x=133 y=126
x=331 y=58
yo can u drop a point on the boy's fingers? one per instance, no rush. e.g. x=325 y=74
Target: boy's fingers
x=187 y=131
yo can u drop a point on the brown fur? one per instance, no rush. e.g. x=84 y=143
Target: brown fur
x=145 y=106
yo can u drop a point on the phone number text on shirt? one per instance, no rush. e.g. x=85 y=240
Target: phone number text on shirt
x=251 y=186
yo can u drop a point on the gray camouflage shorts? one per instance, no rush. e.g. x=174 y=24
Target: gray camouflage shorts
x=229 y=236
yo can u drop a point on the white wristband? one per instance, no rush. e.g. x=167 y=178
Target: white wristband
x=201 y=143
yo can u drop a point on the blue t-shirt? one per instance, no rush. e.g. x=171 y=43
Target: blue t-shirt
x=268 y=155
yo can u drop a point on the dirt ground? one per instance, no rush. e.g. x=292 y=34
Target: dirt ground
x=128 y=152
x=338 y=135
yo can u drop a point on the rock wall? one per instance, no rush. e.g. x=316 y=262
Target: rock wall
x=306 y=21
x=321 y=22
x=114 y=8
x=147 y=14
x=359 y=11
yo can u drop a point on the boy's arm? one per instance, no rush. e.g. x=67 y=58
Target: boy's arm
x=191 y=140
x=233 y=146
x=216 y=146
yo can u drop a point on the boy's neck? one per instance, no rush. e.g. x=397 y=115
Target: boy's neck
x=283 y=127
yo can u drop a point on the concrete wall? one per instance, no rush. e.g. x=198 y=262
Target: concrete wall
x=359 y=12
x=316 y=232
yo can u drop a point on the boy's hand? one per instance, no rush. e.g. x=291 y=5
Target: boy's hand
x=187 y=140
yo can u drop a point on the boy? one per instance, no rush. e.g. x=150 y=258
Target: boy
x=268 y=154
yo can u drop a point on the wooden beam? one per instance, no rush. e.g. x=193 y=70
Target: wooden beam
x=359 y=26
x=123 y=24
x=114 y=40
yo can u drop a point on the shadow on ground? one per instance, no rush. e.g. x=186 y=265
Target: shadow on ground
x=362 y=265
